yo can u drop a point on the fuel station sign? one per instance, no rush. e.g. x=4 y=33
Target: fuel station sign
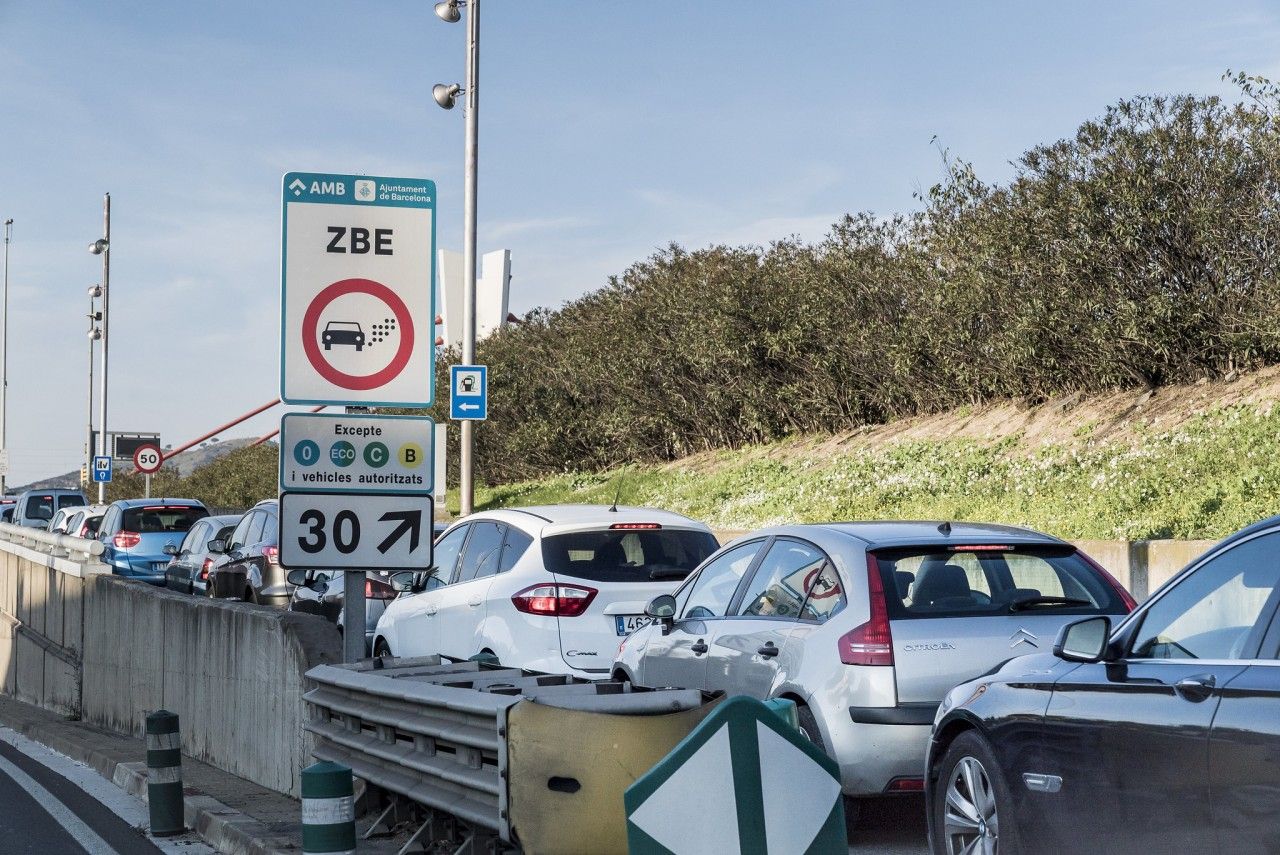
x=356 y=290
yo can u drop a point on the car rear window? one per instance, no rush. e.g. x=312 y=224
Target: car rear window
x=965 y=581
x=161 y=518
x=610 y=555
x=73 y=500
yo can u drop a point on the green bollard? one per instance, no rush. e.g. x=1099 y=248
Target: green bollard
x=328 y=810
x=164 y=774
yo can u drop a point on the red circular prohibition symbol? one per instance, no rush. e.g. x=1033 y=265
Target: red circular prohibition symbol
x=311 y=326
x=810 y=578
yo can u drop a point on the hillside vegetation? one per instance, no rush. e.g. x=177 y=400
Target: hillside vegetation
x=1187 y=462
x=1141 y=251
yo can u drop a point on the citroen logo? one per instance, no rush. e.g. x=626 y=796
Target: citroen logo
x=1023 y=636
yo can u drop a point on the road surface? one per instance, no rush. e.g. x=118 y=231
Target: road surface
x=54 y=805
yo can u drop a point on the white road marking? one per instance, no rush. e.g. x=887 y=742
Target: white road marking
x=58 y=812
x=130 y=809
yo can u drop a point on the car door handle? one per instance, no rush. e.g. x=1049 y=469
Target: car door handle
x=475 y=604
x=1196 y=688
x=699 y=647
x=768 y=651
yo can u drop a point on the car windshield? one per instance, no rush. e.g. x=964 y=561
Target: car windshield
x=161 y=518
x=611 y=555
x=342 y=325
x=73 y=500
x=962 y=581
x=40 y=508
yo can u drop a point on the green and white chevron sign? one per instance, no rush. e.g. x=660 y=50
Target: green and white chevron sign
x=744 y=782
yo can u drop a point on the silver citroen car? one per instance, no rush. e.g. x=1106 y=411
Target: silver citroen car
x=866 y=626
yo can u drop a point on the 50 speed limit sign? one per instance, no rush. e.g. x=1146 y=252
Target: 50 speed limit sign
x=336 y=531
x=148 y=459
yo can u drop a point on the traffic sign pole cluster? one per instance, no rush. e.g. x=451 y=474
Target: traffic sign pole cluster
x=357 y=321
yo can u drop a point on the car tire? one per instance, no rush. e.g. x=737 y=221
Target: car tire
x=250 y=596
x=986 y=811
x=809 y=727
x=380 y=648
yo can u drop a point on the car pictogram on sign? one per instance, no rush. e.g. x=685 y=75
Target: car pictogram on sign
x=343 y=332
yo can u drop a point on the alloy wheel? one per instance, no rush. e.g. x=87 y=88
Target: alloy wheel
x=970 y=821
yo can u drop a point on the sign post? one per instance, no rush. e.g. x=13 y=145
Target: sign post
x=357 y=296
x=147 y=459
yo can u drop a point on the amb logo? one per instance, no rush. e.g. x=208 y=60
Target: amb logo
x=318 y=188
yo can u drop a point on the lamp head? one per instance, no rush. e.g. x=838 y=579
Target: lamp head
x=446 y=95
x=447 y=11
x=95 y=333
x=99 y=246
x=95 y=291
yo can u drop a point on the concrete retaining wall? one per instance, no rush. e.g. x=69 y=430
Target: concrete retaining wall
x=233 y=673
x=1142 y=566
x=41 y=627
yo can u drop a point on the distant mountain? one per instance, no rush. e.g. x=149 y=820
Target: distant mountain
x=186 y=462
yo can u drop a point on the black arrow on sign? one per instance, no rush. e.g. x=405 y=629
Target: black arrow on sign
x=410 y=521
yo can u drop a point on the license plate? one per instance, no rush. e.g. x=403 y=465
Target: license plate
x=160 y=566
x=628 y=624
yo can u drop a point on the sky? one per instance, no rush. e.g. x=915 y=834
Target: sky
x=608 y=129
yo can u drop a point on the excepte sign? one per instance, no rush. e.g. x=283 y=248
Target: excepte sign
x=357 y=294
x=358 y=453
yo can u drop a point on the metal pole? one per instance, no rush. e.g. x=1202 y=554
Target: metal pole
x=353 y=607
x=146 y=490
x=88 y=439
x=467 y=485
x=4 y=359
x=106 y=317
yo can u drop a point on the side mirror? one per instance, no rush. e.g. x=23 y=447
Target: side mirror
x=662 y=608
x=217 y=547
x=1083 y=641
x=297 y=578
x=402 y=582
x=170 y=549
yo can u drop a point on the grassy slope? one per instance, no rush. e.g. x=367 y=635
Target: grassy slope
x=1188 y=462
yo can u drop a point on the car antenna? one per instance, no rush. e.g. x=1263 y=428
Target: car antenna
x=945 y=528
x=617 y=492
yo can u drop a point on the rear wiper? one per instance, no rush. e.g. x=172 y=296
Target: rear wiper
x=667 y=573
x=1036 y=602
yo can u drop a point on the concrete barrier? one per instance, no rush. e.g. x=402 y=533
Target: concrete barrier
x=78 y=641
x=232 y=671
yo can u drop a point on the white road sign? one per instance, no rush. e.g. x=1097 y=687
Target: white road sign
x=336 y=531
x=357 y=294
x=358 y=453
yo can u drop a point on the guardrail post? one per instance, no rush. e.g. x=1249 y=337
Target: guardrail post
x=164 y=774
x=328 y=810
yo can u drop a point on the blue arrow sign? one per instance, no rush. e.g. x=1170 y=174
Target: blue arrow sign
x=469 y=392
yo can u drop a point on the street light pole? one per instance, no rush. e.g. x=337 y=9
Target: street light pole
x=4 y=363
x=465 y=458
x=103 y=248
x=95 y=291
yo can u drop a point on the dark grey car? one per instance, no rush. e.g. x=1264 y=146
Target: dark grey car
x=248 y=567
x=190 y=561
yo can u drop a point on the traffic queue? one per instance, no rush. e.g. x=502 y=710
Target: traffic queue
x=1001 y=671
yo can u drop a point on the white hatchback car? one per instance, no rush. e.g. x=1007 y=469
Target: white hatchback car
x=545 y=588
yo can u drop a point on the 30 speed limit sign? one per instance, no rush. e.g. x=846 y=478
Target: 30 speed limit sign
x=148 y=459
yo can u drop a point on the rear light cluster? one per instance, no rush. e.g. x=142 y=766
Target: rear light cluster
x=905 y=785
x=1129 y=602
x=554 y=600
x=126 y=539
x=985 y=547
x=272 y=554
x=870 y=643
x=635 y=527
x=375 y=590
x=204 y=570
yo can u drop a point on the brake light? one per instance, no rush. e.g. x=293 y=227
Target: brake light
x=204 y=570
x=272 y=554
x=126 y=539
x=635 y=526
x=554 y=600
x=870 y=643
x=375 y=590
x=981 y=548
x=1125 y=597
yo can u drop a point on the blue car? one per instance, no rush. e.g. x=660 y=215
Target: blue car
x=136 y=531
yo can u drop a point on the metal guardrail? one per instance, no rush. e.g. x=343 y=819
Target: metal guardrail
x=434 y=731
x=55 y=545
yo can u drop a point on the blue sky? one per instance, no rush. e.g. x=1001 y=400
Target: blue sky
x=608 y=129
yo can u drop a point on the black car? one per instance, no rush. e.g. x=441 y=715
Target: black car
x=189 y=561
x=1161 y=735
x=246 y=565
